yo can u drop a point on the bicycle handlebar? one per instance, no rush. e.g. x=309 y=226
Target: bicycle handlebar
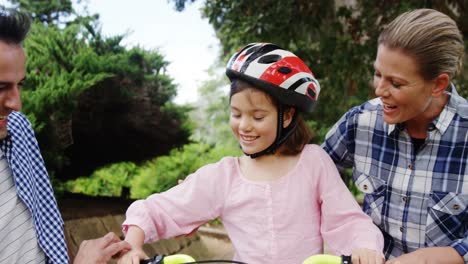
x=182 y=259
x=327 y=259
x=186 y=259
x=171 y=259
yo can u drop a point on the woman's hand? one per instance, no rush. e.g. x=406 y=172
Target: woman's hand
x=133 y=256
x=431 y=255
x=367 y=256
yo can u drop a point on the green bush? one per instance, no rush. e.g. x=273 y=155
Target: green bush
x=106 y=181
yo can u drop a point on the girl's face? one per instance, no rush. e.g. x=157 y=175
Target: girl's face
x=253 y=120
x=405 y=94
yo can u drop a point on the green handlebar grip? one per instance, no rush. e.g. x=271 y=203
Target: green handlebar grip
x=178 y=258
x=322 y=259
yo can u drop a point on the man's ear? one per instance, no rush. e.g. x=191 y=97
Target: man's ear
x=288 y=116
x=441 y=83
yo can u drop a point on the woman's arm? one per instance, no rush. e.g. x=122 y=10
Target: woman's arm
x=339 y=141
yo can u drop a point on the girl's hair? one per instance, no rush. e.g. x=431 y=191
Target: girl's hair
x=301 y=134
x=430 y=37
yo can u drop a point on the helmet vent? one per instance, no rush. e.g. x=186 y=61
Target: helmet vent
x=267 y=59
x=285 y=70
x=311 y=93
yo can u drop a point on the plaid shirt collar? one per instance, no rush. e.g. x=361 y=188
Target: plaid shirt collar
x=442 y=122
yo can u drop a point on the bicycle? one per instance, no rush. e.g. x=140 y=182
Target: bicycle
x=186 y=259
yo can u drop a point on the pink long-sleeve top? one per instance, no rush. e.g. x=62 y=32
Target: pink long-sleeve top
x=280 y=221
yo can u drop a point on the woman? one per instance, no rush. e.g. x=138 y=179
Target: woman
x=409 y=147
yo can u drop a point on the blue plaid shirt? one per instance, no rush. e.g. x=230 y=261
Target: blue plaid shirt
x=33 y=186
x=416 y=199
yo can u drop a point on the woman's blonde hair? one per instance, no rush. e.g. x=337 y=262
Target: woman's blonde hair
x=430 y=37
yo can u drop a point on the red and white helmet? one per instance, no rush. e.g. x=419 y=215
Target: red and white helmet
x=276 y=71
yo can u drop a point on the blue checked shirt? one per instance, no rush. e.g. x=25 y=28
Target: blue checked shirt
x=416 y=199
x=33 y=186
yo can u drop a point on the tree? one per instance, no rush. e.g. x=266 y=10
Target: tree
x=92 y=101
x=337 y=41
x=211 y=112
x=46 y=11
x=211 y=139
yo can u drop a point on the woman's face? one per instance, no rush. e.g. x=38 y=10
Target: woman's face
x=405 y=94
x=253 y=120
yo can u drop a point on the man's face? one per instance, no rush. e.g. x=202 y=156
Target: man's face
x=12 y=74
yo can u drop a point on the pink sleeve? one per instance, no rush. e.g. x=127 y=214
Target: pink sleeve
x=344 y=225
x=181 y=209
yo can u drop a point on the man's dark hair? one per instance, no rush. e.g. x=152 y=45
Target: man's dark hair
x=14 y=26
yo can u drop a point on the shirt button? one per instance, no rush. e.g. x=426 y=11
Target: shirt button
x=401 y=229
x=456 y=207
x=431 y=127
x=365 y=187
x=410 y=166
x=405 y=199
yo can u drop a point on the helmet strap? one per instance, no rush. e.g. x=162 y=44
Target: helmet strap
x=281 y=134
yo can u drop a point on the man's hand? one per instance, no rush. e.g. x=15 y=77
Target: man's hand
x=431 y=255
x=100 y=250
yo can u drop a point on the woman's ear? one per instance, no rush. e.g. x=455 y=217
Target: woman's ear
x=288 y=116
x=440 y=85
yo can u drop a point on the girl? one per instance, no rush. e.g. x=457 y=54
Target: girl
x=283 y=197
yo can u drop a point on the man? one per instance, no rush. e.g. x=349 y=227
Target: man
x=31 y=227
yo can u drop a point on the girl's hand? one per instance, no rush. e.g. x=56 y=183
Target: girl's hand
x=367 y=256
x=133 y=256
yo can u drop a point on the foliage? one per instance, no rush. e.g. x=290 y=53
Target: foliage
x=46 y=11
x=213 y=140
x=163 y=172
x=337 y=41
x=211 y=115
x=153 y=176
x=56 y=86
x=61 y=65
x=68 y=55
x=180 y=4
x=106 y=181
